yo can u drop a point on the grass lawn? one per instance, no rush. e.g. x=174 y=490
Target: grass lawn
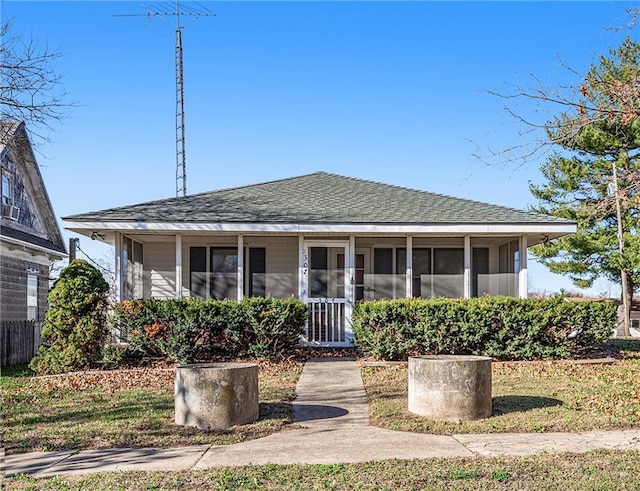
x=527 y=397
x=124 y=408
x=604 y=470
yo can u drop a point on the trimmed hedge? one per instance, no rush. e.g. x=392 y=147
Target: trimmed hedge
x=188 y=330
x=501 y=327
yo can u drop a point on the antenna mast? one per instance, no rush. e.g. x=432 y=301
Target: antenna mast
x=161 y=9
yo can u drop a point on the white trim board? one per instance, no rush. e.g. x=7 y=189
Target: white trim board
x=297 y=228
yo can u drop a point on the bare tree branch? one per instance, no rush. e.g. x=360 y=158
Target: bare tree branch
x=30 y=90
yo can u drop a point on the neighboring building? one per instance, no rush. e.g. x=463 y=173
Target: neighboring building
x=30 y=240
x=326 y=239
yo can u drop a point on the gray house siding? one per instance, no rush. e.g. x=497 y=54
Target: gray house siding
x=30 y=241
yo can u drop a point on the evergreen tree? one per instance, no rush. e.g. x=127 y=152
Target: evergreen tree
x=600 y=130
x=75 y=326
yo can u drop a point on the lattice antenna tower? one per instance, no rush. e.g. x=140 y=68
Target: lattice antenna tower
x=164 y=10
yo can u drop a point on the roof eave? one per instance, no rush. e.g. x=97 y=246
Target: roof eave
x=86 y=227
x=52 y=253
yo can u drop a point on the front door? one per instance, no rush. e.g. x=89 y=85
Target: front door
x=327 y=289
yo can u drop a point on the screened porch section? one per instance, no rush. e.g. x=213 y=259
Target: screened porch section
x=213 y=273
x=329 y=274
x=378 y=269
x=436 y=271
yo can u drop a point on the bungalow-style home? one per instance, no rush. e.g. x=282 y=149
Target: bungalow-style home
x=326 y=239
x=30 y=240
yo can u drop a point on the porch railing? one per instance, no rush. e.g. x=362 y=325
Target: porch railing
x=327 y=321
x=503 y=284
x=379 y=286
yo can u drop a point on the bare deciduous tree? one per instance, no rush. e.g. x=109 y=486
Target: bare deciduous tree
x=30 y=89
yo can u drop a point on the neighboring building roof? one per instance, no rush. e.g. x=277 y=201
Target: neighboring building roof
x=18 y=235
x=318 y=198
x=7 y=131
x=16 y=152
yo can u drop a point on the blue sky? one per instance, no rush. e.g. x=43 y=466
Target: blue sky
x=395 y=92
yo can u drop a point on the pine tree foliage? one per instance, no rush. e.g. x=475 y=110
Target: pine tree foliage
x=599 y=130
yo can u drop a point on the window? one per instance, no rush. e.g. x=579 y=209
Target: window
x=198 y=272
x=318 y=281
x=509 y=257
x=257 y=286
x=480 y=266
x=32 y=296
x=389 y=268
x=421 y=270
x=435 y=272
x=359 y=279
x=213 y=272
x=223 y=265
x=132 y=268
x=6 y=190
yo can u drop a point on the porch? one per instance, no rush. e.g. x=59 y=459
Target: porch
x=326 y=239
x=328 y=272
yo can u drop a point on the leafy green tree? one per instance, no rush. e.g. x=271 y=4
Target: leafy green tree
x=75 y=326
x=597 y=136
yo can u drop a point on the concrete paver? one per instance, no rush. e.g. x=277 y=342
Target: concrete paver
x=333 y=446
x=529 y=443
x=126 y=459
x=330 y=392
x=332 y=427
x=34 y=462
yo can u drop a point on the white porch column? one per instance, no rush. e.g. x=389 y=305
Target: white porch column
x=523 y=277
x=178 y=266
x=409 y=267
x=350 y=265
x=118 y=266
x=467 y=266
x=240 y=268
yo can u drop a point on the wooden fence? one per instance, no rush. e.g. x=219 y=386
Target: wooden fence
x=19 y=341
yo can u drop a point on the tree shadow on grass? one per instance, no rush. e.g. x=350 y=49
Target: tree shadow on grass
x=72 y=428
x=520 y=403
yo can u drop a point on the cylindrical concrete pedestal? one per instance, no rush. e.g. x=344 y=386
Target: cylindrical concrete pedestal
x=450 y=387
x=216 y=396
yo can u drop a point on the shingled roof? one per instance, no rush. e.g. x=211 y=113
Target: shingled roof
x=318 y=198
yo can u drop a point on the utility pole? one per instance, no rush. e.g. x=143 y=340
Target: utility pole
x=73 y=244
x=623 y=272
x=162 y=10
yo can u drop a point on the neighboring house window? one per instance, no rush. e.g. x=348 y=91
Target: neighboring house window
x=6 y=190
x=32 y=297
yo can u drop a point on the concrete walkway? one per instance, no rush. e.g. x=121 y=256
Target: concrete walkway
x=332 y=413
